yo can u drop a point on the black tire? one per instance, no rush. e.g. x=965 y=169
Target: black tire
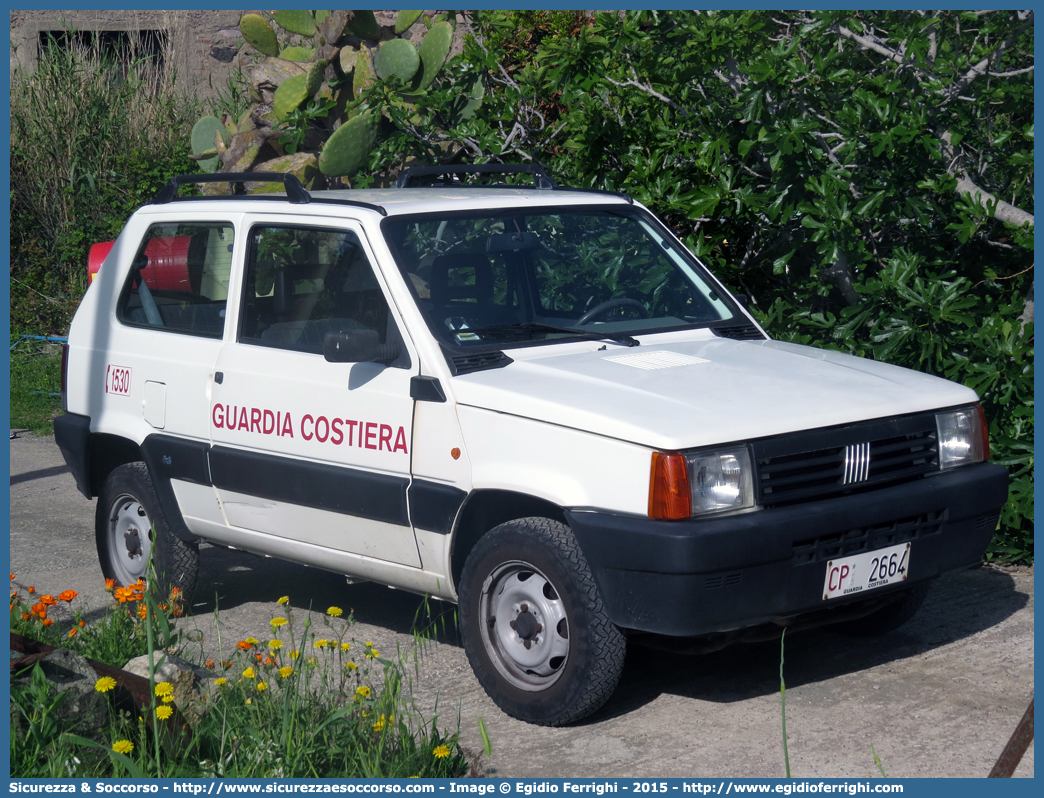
x=530 y=573
x=129 y=523
x=891 y=616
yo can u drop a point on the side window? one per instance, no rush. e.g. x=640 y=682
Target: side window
x=302 y=283
x=179 y=279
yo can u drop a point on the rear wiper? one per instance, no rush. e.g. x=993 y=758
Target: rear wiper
x=534 y=326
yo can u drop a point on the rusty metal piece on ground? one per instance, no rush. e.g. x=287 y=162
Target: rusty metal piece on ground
x=1016 y=747
x=131 y=693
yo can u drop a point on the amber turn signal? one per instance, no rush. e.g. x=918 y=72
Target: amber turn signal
x=669 y=495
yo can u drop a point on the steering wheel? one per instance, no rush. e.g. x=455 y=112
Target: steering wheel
x=619 y=302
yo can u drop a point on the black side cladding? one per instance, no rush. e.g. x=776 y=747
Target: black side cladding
x=347 y=491
x=72 y=433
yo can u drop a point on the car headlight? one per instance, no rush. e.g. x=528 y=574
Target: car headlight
x=699 y=483
x=963 y=437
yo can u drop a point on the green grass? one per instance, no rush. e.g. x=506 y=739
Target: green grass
x=35 y=377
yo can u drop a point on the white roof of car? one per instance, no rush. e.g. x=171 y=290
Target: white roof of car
x=398 y=201
x=401 y=201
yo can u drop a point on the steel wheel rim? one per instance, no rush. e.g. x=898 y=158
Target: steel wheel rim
x=130 y=539
x=520 y=605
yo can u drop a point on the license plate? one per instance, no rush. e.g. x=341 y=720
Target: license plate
x=862 y=572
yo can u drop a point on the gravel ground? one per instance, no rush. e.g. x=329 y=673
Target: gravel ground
x=938 y=698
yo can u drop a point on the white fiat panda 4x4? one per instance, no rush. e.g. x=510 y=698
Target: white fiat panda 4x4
x=532 y=401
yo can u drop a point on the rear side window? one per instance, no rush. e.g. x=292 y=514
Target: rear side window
x=179 y=279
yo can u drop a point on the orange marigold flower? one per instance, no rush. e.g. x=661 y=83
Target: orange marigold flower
x=39 y=609
x=73 y=631
x=47 y=621
x=12 y=574
x=142 y=611
x=83 y=624
x=175 y=593
x=68 y=595
x=110 y=584
x=31 y=589
x=177 y=612
x=123 y=594
x=259 y=657
x=26 y=616
x=243 y=645
x=48 y=599
x=209 y=664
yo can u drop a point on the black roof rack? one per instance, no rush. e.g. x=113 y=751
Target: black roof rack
x=540 y=177
x=296 y=194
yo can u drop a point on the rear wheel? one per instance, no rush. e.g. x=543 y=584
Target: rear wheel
x=891 y=616
x=130 y=529
x=534 y=628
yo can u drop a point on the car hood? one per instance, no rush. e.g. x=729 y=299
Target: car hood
x=684 y=394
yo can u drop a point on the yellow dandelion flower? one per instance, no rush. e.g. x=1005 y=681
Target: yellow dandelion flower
x=368 y=644
x=345 y=646
x=168 y=698
x=275 y=622
x=252 y=641
x=441 y=751
x=283 y=600
x=247 y=703
x=373 y=653
x=164 y=712
x=379 y=725
x=275 y=645
x=334 y=612
x=295 y=654
x=248 y=673
x=362 y=691
x=320 y=643
x=350 y=666
x=220 y=681
x=164 y=688
x=105 y=684
x=123 y=746
x=286 y=671
x=262 y=686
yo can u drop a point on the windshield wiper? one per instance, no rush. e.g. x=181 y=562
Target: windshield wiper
x=534 y=326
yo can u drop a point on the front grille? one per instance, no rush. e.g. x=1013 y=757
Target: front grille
x=872 y=538
x=812 y=465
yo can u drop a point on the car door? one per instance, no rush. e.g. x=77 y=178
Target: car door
x=311 y=458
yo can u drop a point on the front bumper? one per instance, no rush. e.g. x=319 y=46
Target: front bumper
x=696 y=577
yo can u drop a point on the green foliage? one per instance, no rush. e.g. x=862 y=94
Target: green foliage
x=124 y=130
x=815 y=162
x=348 y=147
x=433 y=51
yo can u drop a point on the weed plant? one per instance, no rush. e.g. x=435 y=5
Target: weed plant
x=92 y=138
x=306 y=700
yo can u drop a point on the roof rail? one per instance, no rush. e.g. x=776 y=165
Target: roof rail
x=541 y=179
x=296 y=194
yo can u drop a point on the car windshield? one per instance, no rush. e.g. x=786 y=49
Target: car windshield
x=510 y=278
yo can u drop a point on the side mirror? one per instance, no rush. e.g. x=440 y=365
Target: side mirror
x=357 y=346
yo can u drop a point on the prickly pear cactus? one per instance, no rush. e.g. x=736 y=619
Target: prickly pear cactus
x=349 y=146
x=300 y=22
x=434 y=49
x=317 y=80
x=397 y=58
x=259 y=34
x=205 y=133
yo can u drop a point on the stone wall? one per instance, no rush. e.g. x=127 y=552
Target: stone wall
x=202 y=45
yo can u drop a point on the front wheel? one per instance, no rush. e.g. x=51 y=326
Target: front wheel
x=131 y=531
x=534 y=628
